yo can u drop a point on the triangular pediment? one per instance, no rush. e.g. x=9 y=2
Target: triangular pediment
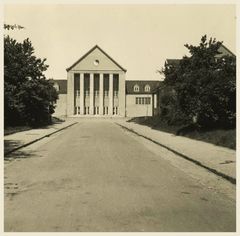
x=96 y=59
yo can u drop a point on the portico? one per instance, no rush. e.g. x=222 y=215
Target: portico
x=96 y=86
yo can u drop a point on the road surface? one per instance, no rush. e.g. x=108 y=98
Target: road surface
x=95 y=176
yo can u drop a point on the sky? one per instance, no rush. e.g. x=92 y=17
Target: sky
x=139 y=37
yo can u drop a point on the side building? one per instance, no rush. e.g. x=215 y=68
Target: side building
x=140 y=100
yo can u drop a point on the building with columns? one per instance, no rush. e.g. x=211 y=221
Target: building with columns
x=96 y=86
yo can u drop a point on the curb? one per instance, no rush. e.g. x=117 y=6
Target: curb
x=216 y=172
x=36 y=140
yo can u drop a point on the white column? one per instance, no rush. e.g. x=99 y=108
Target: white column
x=110 y=106
x=81 y=94
x=91 y=94
x=101 y=94
x=155 y=100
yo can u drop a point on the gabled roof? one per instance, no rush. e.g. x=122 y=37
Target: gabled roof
x=86 y=54
x=62 y=83
x=141 y=83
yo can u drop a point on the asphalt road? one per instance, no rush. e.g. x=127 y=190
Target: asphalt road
x=95 y=176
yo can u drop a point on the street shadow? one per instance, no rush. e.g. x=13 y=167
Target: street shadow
x=10 y=145
x=54 y=121
x=18 y=154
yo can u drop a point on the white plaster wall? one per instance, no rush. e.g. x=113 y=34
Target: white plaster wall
x=61 y=106
x=136 y=110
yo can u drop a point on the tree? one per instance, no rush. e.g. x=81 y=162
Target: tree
x=205 y=85
x=28 y=97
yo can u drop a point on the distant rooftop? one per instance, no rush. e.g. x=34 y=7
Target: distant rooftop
x=223 y=50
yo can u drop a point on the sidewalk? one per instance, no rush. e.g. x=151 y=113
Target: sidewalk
x=219 y=160
x=21 y=139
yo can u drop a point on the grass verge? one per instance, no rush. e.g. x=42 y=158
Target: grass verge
x=220 y=137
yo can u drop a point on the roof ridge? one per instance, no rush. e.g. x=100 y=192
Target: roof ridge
x=88 y=52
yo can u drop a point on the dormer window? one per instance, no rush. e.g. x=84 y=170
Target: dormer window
x=147 y=88
x=136 y=88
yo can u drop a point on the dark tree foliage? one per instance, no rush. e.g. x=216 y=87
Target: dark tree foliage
x=205 y=86
x=28 y=97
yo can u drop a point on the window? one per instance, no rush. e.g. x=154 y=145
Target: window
x=77 y=93
x=86 y=110
x=77 y=110
x=115 y=94
x=115 y=110
x=115 y=84
x=96 y=62
x=86 y=84
x=76 y=82
x=86 y=93
x=56 y=86
x=96 y=78
x=147 y=88
x=136 y=88
x=136 y=100
x=143 y=100
x=96 y=110
x=105 y=110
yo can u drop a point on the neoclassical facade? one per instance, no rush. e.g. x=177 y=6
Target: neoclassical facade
x=96 y=85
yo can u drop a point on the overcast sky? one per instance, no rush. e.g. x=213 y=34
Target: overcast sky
x=139 y=37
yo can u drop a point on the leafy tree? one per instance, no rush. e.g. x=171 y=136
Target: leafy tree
x=28 y=97
x=205 y=85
